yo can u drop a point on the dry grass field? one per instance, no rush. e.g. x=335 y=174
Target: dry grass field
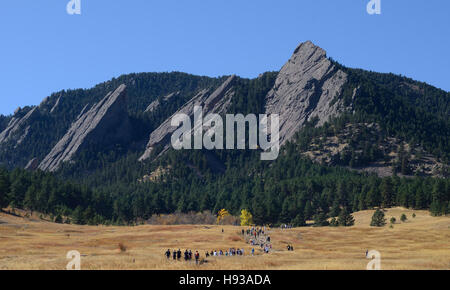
x=422 y=242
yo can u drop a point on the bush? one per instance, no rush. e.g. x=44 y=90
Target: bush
x=58 y=219
x=393 y=220
x=122 y=247
x=403 y=218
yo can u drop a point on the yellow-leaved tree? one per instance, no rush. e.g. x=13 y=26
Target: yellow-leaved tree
x=246 y=218
x=221 y=215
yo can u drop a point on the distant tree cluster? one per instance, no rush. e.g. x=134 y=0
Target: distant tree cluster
x=290 y=190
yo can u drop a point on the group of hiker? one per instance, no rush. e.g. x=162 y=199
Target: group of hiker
x=254 y=231
x=176 y=255
x=257 y=236
x=228 y=253
x=285 y=226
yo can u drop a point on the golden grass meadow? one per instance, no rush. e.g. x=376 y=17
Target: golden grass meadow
x=422 y=242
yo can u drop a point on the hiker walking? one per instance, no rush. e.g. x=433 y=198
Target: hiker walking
x=197 y=257
x=186 y=255
x=179 y=254
x=174 y=254
x=168 y=254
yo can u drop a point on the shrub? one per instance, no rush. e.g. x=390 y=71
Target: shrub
x=403 y=218
x=122 y=247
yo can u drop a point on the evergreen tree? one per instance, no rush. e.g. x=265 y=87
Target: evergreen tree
x=299 y=221
x=320 y=220
x=378 y=219
x=386 y=192
x=345 y=219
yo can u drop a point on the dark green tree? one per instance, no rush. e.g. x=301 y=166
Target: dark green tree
x=378 y=219
x=345 y=219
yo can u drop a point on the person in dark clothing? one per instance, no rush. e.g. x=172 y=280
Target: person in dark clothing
x=168 y=254
x=174 y=254
x=186 y=255
x=289 y=247
x=207 y=255
x=190 y=255
x=179 y=254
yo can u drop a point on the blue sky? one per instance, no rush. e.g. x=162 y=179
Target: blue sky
x=44 y=50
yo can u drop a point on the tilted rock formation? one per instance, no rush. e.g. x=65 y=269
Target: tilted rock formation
x=19 y=127
x=107 y=121
x=32 y=164
x=306 y=87
x=216 y=102
x=155 y=104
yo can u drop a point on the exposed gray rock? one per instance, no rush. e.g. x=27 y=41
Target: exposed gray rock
x=32 y=164
x=306 y=87
x=107 y=121
x=155 y=104
x=55 y=106
x=216 y=102
x=19 y=127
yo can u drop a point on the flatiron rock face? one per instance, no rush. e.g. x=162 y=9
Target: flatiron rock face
x=217 y=102
x=306 y=87
x=18 y=128
x=107 y=121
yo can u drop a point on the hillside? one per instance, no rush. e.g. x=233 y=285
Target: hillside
x=352 y=140
x=419 y=243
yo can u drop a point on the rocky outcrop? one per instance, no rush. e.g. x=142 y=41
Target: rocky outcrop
x=216 y=102
x=32 y=164
x=19 y=127
x=307 y=86
x=106 y=122
x=155 y=104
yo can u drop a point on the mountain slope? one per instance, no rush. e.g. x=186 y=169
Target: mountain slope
x=333 y=119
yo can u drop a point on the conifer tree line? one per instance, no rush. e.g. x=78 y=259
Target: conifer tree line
x=291 y=190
